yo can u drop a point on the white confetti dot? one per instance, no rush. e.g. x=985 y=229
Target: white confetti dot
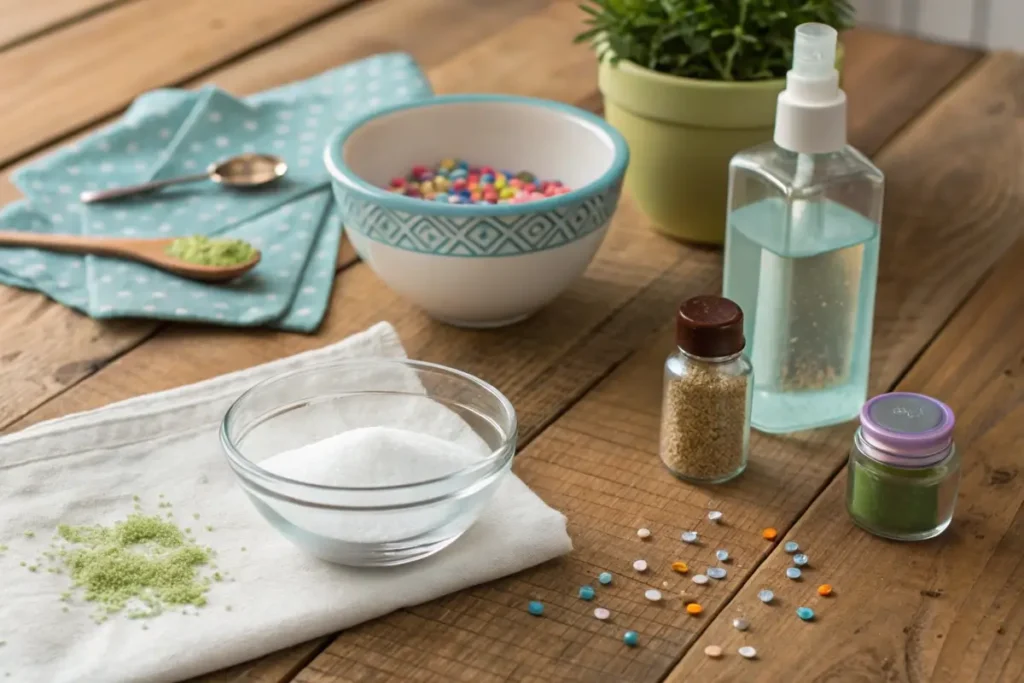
x=740 y=624
x=689 y=537
x=106 y=279
x=131 y=148
x=653 y=594
x=204 y=216
x=141 y=279
x=276 y=248
x=640 y=565
x=120 y=215
x=214 y=117
x=159 y=295
x=106 y=167
x=308 y=136
x=278 y=144
x=164 y=227
x=303 y=312
x=643 y=532
x=140 y=166
x=282 y=129
x=149 y=308
x=219 y=316
x=296 y=256
x=196 y=147
x=271 y=297
x=106 y=308
x=254 y=311
x=747 y=652
x=284 y=115
x=198 y=295
x=715 y=516
x=128 y=231
x=309 y=290
x=700 y=579
x=306 y=216
x=57 y=218
x=188 y=163
x=220 y=304
x=222 y=141
x=251 y=125
x=602 y=614
x=124 y=294
x=74 y=170
x=181 y=311
x=75 y=265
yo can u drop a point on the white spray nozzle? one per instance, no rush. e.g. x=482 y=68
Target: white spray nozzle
x=814 y=51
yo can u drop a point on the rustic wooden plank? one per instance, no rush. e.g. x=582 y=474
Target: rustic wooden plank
x=61 y=347
x=72 y=77
x=949 y=217
x=945 y=610
x=25 y=20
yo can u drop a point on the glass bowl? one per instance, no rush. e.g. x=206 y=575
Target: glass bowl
x=349 y=520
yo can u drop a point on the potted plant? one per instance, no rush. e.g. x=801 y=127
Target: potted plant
x=689 y=83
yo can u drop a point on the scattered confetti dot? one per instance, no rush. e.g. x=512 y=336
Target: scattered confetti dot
x=631 y=638
x=605 y=578
x=640 y=565
x=653 y=594
x=722 y=555
x=587 y=592
x=699 y=579
x=805 y=613
x=791 y=547
x=769 y=534
x=740 y=624
x=765 y=595
x=747 y=652
x=680 y=567
x=689 y=537
x=793 y=573
x=535 y=608
x=715 y=516
x=694 y=608
x=717 y=573
x=801 y=560
x=602 y=614
x=824 y=590
x=643 y=532
x=713 y=651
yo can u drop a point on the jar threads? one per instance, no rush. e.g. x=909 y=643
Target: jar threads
x=904 y=470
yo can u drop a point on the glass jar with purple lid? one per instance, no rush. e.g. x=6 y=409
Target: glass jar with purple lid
x=904 y=470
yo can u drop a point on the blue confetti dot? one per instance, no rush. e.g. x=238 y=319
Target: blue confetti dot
x=689 y=537
x=722 y=555
x=535 y=608
x=805 y=613
x=716 y=572
x=765 y=595
x=631 y=638
x=791 y=547
x=605 y=578
x=587 y=592
x=793 y=573
x=800 y=560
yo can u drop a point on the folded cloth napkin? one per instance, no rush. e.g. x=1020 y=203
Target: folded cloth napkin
x=85 y=469
x=168 y=133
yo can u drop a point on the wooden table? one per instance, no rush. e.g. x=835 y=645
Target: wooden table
x=946 y=124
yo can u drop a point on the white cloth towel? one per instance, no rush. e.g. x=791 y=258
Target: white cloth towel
x=85 y=468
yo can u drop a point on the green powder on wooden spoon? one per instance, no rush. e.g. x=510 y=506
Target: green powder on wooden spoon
x=203 y=251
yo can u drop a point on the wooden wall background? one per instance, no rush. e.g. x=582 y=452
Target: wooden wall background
x=992 y=24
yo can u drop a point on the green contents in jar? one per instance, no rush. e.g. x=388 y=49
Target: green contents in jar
x=899 y=501
x=205 y=251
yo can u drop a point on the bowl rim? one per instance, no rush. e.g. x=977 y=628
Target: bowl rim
x=342 y=173
x=500 y=455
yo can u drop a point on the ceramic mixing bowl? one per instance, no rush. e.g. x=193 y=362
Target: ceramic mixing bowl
x=478 y=265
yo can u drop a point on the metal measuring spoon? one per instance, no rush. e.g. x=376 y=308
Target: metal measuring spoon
x=244 y=170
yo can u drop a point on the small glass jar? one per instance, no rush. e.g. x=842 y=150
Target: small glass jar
x=705 y=416
x=904 y=470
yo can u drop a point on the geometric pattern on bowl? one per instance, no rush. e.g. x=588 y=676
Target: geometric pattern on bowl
x=475 y=235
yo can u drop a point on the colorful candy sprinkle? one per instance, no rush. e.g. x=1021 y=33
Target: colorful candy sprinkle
x=747 y=652
x=653 y=594
x=680 y=567
x=714 y=516
x=602 y=614
x=631 y=638
x=713 y=651
x=722 y=555
x=694 y=608
x=640 y=565
x=643 y=533
x=740 y=624
x=535 y=608
x=765 y=595
x=717 y=573
x=769 y=534
x=689 y=537
x=604 y=578
x=824 y=590
x=805 y=613
x=454 y=181
x=587 y=592
x=791 y=547
x=699 y=579
x=793 y=573
x=801 y=560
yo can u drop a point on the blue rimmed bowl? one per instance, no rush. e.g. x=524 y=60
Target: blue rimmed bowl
x=478 y=265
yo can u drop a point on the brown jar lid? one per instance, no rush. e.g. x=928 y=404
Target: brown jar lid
x=710 y=327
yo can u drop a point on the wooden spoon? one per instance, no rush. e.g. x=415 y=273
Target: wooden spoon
x=151 y=251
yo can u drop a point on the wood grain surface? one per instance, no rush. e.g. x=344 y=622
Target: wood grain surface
x=585 y=373
x=598 y=462
x=23 y=21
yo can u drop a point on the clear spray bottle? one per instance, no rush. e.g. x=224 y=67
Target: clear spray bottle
x=801 y=252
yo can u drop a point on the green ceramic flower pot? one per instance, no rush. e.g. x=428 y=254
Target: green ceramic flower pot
x=682 y=132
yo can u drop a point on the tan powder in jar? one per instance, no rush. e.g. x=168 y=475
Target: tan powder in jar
x=704 y=423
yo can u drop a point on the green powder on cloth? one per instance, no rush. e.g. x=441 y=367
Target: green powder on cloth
x=144 y=564
x=204 y=251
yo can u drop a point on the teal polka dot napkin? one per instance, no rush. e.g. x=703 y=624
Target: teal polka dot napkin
x=167 y=133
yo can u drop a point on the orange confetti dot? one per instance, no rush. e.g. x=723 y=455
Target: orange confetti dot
x=680 y=567
x=694 y=608
x=769 y=534
x=825 y=590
